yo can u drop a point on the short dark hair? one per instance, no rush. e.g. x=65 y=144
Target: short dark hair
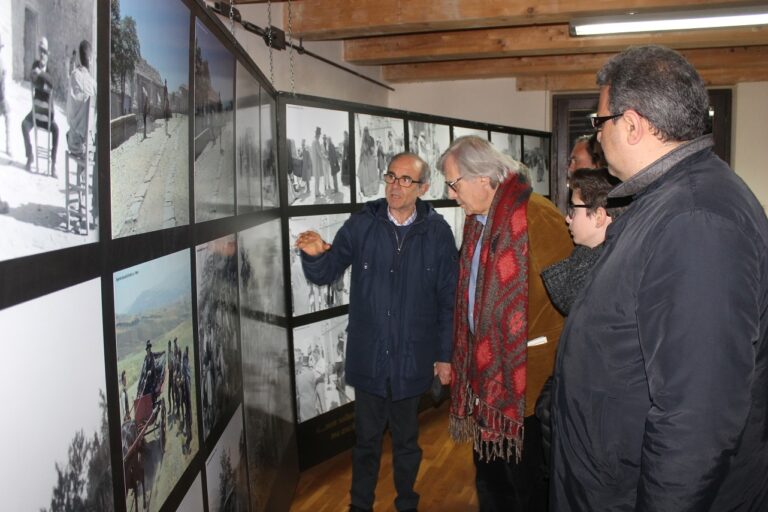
x=85 y=53
x=660 y=85
x=593 y=186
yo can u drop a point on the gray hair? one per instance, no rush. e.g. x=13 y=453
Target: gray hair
x=424 y=170
x=660 y=85
x=477 y=157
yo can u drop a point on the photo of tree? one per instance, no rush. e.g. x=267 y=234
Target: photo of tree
x=48 y=171
x=149 y=115
x=217 y=319
x=54 y=399
x=214 y=127
x=156 y=376
x=227 y=469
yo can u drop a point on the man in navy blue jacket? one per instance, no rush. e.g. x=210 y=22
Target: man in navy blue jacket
x=404 y=264
x=661 y=379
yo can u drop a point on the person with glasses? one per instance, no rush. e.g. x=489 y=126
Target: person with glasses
x=404 y=263
x=660 y=393
x=510 y=235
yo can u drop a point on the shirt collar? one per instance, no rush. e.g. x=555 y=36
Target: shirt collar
x=407 y=221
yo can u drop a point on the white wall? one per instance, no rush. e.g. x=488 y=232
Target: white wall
x=749 y=137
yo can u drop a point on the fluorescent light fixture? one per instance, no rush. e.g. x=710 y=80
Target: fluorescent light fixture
x=678 y=20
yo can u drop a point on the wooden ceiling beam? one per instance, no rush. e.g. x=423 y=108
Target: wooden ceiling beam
x=586 y=81
x=530 y=41
x=343 y=19
x=702 y=59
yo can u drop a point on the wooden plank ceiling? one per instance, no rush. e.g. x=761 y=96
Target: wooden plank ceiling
x=433 y=40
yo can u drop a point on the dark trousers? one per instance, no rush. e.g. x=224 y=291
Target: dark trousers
x=515 y=487
x=26 y=127
x=372 y=414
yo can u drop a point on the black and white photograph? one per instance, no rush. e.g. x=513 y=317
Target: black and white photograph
x=267 y=395
x=227 y=469
x=214 y=127
x=508 y=143
x=149 y=115
x=155 y=376
x=48 y=189
x=463 y=131
x=217 y=321
x=270 y=196
x=454 y=216
x=309 y=297
x=56 y=453
x=262 y=289
x=318 y=152
x=319 y=352
x=247 y=141
x=377 y=140
x=193 y=500
x=429 y=140
x=536 y=158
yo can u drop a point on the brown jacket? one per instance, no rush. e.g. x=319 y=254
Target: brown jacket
x=548 y=243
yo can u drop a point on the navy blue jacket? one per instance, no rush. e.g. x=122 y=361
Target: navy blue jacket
x=401 y=301
x=661 y=380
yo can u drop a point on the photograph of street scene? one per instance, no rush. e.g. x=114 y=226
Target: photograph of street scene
x=429 y=140
x=53 y=390
x=377 y=140
x=227 y=469
x=247 y=141
x=48 y=174
x=156 y=376
x=217 y=320
x=508 y=143
x=536 y=158
x=214 y=127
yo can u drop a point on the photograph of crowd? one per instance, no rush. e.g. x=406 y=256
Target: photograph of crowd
x=217 y=322
x=193 y=500
x=261 y=270
x=227 y=469
x=462 y=131
x=319 y=352
x=149 y=115
x=48 y=189
x=454 y=216
x=269 y=419
x=247 y=141
x=508 y=143
x=156 y=376
x=214 y=127
x=429 y=140
x=318 y=155
x=377 y=140
x=536 y=158
x=309 y=297
x=270 y=193
x=56 y=452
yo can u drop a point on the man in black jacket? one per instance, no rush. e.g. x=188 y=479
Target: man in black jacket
x=404 y=265
x=661 y=380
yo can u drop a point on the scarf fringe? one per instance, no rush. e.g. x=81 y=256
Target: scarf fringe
x=503 y=440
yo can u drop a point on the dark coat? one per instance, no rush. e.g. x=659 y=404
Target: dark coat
x=401 y=304
x=661 y=379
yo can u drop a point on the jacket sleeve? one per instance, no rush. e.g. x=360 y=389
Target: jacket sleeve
x=698 y=315
x=446 y=293
x=329 y=266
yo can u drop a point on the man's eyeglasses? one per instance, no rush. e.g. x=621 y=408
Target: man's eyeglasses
x=571 y=209
x=599 y=121
x=405 y=181
x=453 y=183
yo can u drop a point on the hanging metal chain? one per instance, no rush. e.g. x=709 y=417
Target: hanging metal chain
x=269 y=43
x=290 y=48
x=232 y=16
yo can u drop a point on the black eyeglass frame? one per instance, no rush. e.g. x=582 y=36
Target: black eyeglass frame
x=569 y=210
x=404 y=181
x=452 y=184
x=599 y=121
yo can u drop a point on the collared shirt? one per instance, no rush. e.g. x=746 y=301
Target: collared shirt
x=482 y=219
x=406 y=222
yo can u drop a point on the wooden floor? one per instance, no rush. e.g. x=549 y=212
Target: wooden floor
x=446 y=480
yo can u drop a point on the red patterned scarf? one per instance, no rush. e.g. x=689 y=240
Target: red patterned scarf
x=489 y=367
